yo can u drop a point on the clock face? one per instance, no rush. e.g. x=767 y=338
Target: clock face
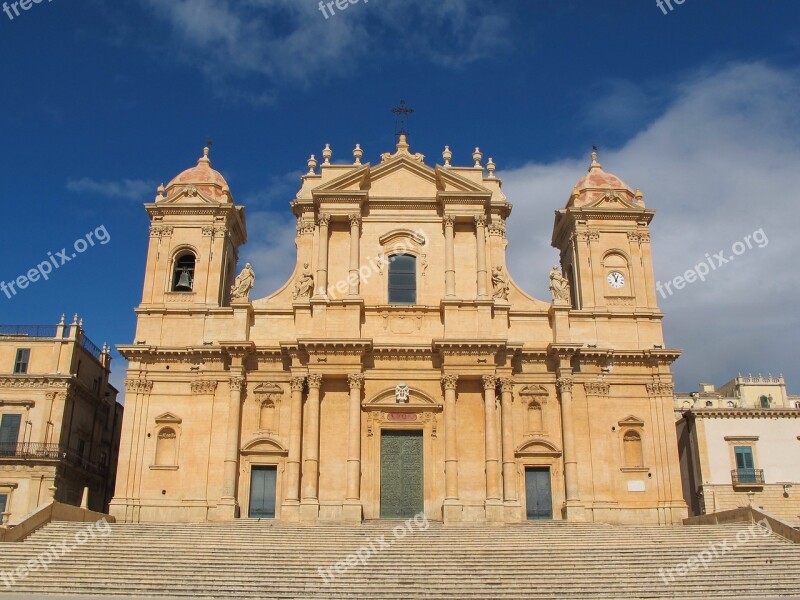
x=616 y=279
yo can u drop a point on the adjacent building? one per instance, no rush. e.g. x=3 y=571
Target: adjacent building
x=400 y=369
x=59 y=419
x=740 y=445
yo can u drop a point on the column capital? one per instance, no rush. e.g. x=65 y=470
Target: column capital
x=506 y=384
x=489 y=382
x=497 y=228
x=564 y=384
x=315 y=380
x=297 y=383
x=324 y=219
x=355 y=381
x=449 y=220
x=449 y=381
x=236 y=383
x=355 y=220
x=480 y=220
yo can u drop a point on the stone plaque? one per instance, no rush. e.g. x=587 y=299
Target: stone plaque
x=401 y=417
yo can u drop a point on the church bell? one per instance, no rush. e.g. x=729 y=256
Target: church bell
x=184 y=282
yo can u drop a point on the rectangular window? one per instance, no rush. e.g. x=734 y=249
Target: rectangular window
x=402 y=279
x=22 y=360
x=745 y=465
x=9 y=434
x=3 y=502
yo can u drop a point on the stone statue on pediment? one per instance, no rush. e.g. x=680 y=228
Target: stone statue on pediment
x=305 y=285
x=500 y=284
x=243 y=283
x=559 y=286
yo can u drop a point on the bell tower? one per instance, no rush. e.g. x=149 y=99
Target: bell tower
x=603 y=235
x=195 y=234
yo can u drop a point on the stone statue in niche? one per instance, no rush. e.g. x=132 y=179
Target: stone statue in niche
x=500 y=284
x=305 y=285
x=559 y=286
x=243 y=283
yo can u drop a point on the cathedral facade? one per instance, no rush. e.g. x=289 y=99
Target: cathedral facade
x=400 y=370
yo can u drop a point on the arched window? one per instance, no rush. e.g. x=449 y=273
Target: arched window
x=183 y=274
x=709 y=404
x=797 y=404
x=535 y=416
x=764 y=402
x=731 y=404
x=632 y=445
x=167 y=447
x=402 y=279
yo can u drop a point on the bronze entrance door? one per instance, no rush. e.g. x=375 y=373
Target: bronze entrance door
x=539 y=499
x=402 y=489
x=262 y=492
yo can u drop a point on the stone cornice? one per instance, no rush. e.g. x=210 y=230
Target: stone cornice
x=35 y=381
x=743 y=413
x=141 y=353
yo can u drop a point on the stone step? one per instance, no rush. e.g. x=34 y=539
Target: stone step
x=247 y=559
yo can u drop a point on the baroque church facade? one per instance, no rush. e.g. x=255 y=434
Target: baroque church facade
x=400 y=369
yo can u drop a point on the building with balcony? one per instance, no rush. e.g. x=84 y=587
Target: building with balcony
x=739 y=445
x=60 y=421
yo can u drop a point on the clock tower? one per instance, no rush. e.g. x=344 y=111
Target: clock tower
x=604 y=238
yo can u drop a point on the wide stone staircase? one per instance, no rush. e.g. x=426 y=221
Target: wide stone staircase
x=402 y=560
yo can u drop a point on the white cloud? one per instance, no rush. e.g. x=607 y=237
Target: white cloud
x=270 y=249
x=126 y=189
x=719 y=163
x=291 y=41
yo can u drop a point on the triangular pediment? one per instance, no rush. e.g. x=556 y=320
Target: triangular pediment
x=168 y=417
x=631 y=421
x=613 y=199
x=188 y=195
x=402 y=177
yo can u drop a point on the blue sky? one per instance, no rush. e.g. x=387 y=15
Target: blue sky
x=102 y=101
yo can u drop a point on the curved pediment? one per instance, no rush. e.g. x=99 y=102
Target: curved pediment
x=264 y=445
x=388 y=397
x=538 y=447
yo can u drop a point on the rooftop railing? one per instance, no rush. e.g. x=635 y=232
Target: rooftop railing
x=33 y=331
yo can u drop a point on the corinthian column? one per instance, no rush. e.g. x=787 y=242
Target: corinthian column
x=355 y=242
x=322 y=261
x=356 y=382
x=480 y=233
x=450 y=461
x=449 y=256
x=295 y=437
x=509 y=464
x=564 y=385
x=490 y=437
x=232 y=440
x=311 y=439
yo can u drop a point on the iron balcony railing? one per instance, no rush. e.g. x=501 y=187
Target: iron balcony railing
x=747 y=476
x=36 y=451
x=33 y=331
x=90 y=347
